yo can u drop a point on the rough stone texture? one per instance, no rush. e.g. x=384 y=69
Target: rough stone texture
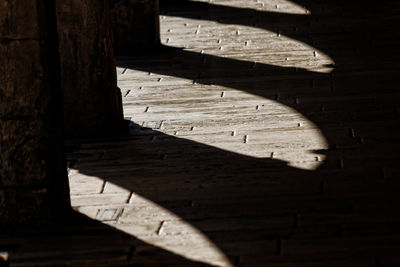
x=11 y=25
x=135 y=24
x=92 y=101
x=33 y=179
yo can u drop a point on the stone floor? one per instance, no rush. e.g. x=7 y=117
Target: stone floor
x=263 y=133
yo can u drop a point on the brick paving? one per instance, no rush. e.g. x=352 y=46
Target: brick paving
x=263 y=133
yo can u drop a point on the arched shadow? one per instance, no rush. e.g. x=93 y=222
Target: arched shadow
x=202 y=184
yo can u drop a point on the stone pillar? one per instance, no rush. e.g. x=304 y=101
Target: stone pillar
x=92 y=100
x=135 y=24
x=33 y=178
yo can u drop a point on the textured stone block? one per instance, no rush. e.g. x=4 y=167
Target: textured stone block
x=33 y=179
x=21 y=79
x=18 y=19
x=92 y=100
x=135 y=24
x=22 y=161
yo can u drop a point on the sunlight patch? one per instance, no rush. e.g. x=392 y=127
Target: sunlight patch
x=279 y=6
x=150 y=223
x=241 y=123
x=246 y=43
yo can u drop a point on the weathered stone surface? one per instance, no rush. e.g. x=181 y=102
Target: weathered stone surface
x=23 y=164
x=18 y=19
x=135 y=24
x=33 y=180
x=23 y=58
x=92 y=101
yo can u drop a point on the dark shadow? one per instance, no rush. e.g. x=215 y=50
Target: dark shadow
x=354 y=107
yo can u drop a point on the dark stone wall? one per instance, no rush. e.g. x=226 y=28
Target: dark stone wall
x=135 y=25
x=33 y=178
x=92 y=100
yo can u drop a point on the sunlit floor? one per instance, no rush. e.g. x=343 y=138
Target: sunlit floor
x=247 y=141
x=263 y=133
x=210 y=126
